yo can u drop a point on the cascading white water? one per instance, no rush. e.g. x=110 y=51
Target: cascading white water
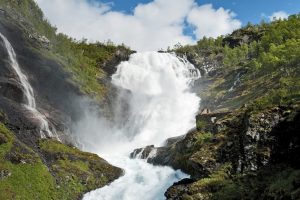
x=160 y=105
x=28 y=91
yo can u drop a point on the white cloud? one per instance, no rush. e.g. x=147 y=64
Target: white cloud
x=212 y=23
x=151 y=26
x=278 y=15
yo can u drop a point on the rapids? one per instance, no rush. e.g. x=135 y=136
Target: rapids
x=160 y=105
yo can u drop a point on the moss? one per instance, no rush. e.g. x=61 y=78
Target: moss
x=266 y=58
x=220 y=160
x=83 y=61
x=278 y=182
x=75 y=171
x=23 y=180
x=7 y=140
x=200 y=124
x=204 y=138
x=68 y=172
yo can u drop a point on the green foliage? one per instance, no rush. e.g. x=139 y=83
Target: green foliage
x=25 y=180
x=268 y=55
x=83 y=60
x=279 y=182
x=275 y=183
x=200 y=124
x=24 y=176
x=29 y=10
x=233 y=57
x=204 y=138
x=76 y=172
x=52 y=146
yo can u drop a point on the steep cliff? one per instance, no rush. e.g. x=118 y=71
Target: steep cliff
x=246 y=140
x=257 y=62
x=60 y=71
x=250 y=154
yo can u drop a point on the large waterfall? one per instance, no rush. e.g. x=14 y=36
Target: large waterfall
x=28 y=92
x=159 y=105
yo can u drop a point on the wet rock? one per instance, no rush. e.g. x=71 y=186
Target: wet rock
x=178 y=190
x=4 y=173
x=173 y=140
x=142 y=153
x=248 y=142
x=121 y=55
x=11 y=90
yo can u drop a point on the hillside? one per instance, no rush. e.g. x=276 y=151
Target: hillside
x=257 y=62
x=61 y=71
x=244 y=145
x=246 y=142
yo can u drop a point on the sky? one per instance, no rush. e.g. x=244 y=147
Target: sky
x=146 y=25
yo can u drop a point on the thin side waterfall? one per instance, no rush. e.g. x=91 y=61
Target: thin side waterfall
x=30 y=104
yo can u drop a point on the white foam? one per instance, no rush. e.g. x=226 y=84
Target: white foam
x=160 y=106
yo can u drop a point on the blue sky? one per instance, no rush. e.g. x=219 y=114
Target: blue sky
x=158 y=24
x=246 y=10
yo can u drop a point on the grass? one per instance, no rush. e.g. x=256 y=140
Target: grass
x=278 y=182
x=83 y=61
x=200 y=124
x=75 y=171
x=68 y=174
x=204 y=138
x=24 y=180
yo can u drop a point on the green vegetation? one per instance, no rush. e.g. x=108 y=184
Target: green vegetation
x=200 y=124
x=24 y=176
x=75 y=171
x=33 y=15
x=247 y=158
x=204 y=137
x=280 y=182
x=267 y=56
x=84 y=61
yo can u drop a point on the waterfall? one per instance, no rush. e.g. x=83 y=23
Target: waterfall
x=160 y=105
x=236 y=82
x=30 y=104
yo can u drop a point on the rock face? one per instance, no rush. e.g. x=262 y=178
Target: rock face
x=45 y=75
x=221 y=150
x=265 y=143
x=143 y=153
x=121 y=55
x=56 y=92
x=31 y=168
x=243 y=36
x=51 y=170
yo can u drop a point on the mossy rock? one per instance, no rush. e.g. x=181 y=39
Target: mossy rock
x=56 y=171
x=26 y=177
x=76 y=171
